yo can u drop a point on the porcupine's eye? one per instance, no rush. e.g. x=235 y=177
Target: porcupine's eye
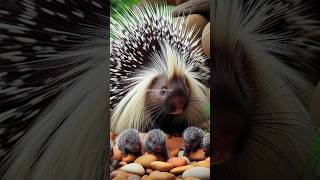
x=163 y=90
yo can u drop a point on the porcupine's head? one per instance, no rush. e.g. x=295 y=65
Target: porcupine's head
x=129 y=141
x=171 y=94
x=192 y=137
x=158 y=75
x=156 y=140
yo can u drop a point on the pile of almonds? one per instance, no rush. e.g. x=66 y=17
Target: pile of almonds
x=151 y=167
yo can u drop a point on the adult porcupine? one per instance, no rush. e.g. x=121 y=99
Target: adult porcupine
x=158 y=74
x=53 y=68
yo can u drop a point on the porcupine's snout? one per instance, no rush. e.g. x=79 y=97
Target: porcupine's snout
x=137 y=148
x=158 y=148
x=177 y=104
x=177 y=98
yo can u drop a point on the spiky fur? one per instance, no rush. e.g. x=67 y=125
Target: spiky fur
x=160 y=137
x=157 y=135
x=55 y=138
x=254 y=47
x=53 y=63
x=193 y=133
x=126 y=138
x=206 y=141
x=147 y=42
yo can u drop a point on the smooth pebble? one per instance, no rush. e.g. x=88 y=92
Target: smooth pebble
x=200 y=172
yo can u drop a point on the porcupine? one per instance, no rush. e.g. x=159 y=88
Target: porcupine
x=266 y=65
x=159 y=77
x=129 y=142
x=206 y=144
x=192 y=137
x=53 y=67
x=15 y=27
x=155 y=142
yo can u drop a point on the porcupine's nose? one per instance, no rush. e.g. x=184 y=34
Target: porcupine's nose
x=137 y=148
x=158 y=147
x=178 y=104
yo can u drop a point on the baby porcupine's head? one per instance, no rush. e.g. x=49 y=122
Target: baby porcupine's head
x=192 y=137
x=156 y=140
x=156 y=70
x=129 y=140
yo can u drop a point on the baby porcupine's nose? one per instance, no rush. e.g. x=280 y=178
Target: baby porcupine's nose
x=137 y=148
x=158 y=147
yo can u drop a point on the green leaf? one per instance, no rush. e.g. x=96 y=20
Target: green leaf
x=118 y=5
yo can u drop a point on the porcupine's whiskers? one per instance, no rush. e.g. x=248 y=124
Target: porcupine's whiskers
x=161 y=118
x=153 y=114
x=152 y=110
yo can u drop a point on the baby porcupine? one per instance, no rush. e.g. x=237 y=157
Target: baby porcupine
x=155 y=142
x=192 y=137
x=206 y=144
x=129 y=142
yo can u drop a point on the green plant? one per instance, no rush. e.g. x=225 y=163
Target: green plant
x=118 y=5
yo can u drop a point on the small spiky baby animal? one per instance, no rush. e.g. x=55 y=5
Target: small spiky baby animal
x=155 y=142
x=159 y=77
x=129 y=142
x=192 y=137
